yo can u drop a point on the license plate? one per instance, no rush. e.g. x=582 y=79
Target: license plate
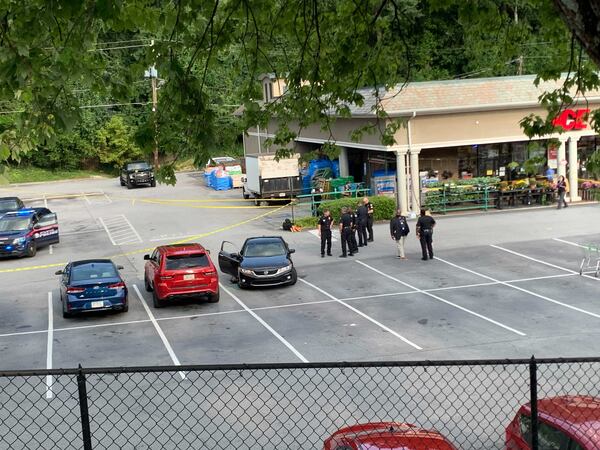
x=188 y=277
x=97 y=304
x=282 y=194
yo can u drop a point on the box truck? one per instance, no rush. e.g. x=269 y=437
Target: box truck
x=267 y=178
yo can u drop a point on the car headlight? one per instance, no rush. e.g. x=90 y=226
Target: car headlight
x=247 y=271
x=131 y=175
x=19 y=241
x=284 y=269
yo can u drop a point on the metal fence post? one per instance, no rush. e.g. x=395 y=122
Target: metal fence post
x=533 y=402
x=83 y=407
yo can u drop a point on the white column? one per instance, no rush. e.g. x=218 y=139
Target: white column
x=415 y=180
x=561 y=157
x=343 y=158
x=401 y=197
x=573 y=168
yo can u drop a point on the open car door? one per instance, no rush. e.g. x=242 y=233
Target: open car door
x=229 y=261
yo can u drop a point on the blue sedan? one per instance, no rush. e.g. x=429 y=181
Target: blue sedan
x=92 y=285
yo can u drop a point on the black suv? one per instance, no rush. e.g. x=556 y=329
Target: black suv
x=8 y=204
x=136 y=173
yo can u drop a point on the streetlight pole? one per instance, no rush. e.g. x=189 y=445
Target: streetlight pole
x=153 y=75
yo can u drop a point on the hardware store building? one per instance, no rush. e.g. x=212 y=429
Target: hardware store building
x=454 y=129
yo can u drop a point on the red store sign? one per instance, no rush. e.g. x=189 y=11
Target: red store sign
x=571 y=120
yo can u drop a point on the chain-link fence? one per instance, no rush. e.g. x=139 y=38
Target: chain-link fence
x=471 y=404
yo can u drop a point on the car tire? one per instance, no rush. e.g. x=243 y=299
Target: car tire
x=156 y=302
x=294 y=278
x=214 y=298
x=129 y=184
x=67 y=315
x=241 y=285
x=147 y=284
x=31 y=250
x=153 y=183
x=122 y=182
x=125 y=308
x=246 y=196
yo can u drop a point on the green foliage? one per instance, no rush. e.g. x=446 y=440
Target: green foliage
x=384 y=208
x=533 y=165
x=306 y=222
x=29 y=174
x=116 y=143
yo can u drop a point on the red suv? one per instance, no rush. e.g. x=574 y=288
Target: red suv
x=569 y=422
x=180 y=271
x=386 y=436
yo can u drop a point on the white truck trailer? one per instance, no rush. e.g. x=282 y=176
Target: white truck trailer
x=267 y=178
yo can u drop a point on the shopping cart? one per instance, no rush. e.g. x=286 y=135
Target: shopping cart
x=591 y=259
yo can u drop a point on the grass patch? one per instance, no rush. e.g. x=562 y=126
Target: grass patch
x=36 y=174
x=306 y=222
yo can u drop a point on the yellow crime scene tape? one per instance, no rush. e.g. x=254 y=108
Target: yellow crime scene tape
x=145 y=250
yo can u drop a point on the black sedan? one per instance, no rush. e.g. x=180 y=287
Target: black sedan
x=263 y=261
x=92 y=285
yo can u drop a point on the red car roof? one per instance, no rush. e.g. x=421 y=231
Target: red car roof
x=181 y=249
x=578 y=415
x=391 y=435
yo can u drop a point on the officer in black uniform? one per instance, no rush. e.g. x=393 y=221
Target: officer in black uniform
x=324 y=226
x=362 y=217
x=369 y=206
x=345 y=232
x=353 y=243
x=425 y=226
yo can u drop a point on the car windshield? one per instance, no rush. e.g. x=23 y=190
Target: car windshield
x=93 y=271
x=8 y=205
x=264 y=248
x=138 y=166
x=14 y=224
x=177 y=262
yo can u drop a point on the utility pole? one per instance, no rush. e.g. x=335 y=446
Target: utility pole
x=520 y=59
x=153 y=75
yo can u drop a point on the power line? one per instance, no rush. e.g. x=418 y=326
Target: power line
x=107 y=105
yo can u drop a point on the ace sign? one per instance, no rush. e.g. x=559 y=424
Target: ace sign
x=571 y=119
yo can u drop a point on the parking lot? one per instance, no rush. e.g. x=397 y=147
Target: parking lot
x=502 y=285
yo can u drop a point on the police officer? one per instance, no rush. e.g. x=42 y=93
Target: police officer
x=353 y=243
x=425 y=226
x=346 y=232
x=369 y=206
x=362 y=217
x=324 y=227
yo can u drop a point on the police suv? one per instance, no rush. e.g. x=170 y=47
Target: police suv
x=23 y=232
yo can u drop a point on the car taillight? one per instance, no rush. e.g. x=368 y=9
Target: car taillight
x=75 y=290
x=210 y=274
x=166 y=277
x=117 y=286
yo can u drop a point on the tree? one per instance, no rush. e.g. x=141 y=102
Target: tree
x=326 y=49
x=116 y=143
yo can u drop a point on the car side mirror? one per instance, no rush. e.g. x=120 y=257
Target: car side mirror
x=120 y=267
x=207 y=251
x=146 y=257
x=58 y=272
x=292 y=250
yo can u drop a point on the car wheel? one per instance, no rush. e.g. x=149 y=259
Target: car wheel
x=122 y=182
x=241 y=285
x=156 y=302
x=147 y=284
x=246 y=196
x=129 y=184
x=214 y=298
x=31 y=250
x=125 y=308
x=153 y=183
x=294 y=278
x=67 y=315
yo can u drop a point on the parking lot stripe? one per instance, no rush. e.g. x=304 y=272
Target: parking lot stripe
x=533 y=259
x=362 y=314
x=265 y=324
x=159 y=331
x=50 y=249
x=569 y=242
x=518 y=288
x=106 y=229
x=440 y=299
x=49 y=378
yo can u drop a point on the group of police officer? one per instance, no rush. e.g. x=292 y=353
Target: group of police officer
x=351 y=222
x=361 y=221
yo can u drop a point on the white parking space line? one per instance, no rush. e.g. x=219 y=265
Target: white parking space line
x=87 y=200
x=440 y=299
x=362 y=314
x=568 y=242
x=554 y=266
x=49 y=378
x=159 y=331
x=265 y=324
x=108 y=199
x=518 y=288
x=119 y=230
x=45 y=201
x=50 y=249
x=169 y=238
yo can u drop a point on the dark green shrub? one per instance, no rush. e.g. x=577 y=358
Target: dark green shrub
x=383 y=207
x=306 y=222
